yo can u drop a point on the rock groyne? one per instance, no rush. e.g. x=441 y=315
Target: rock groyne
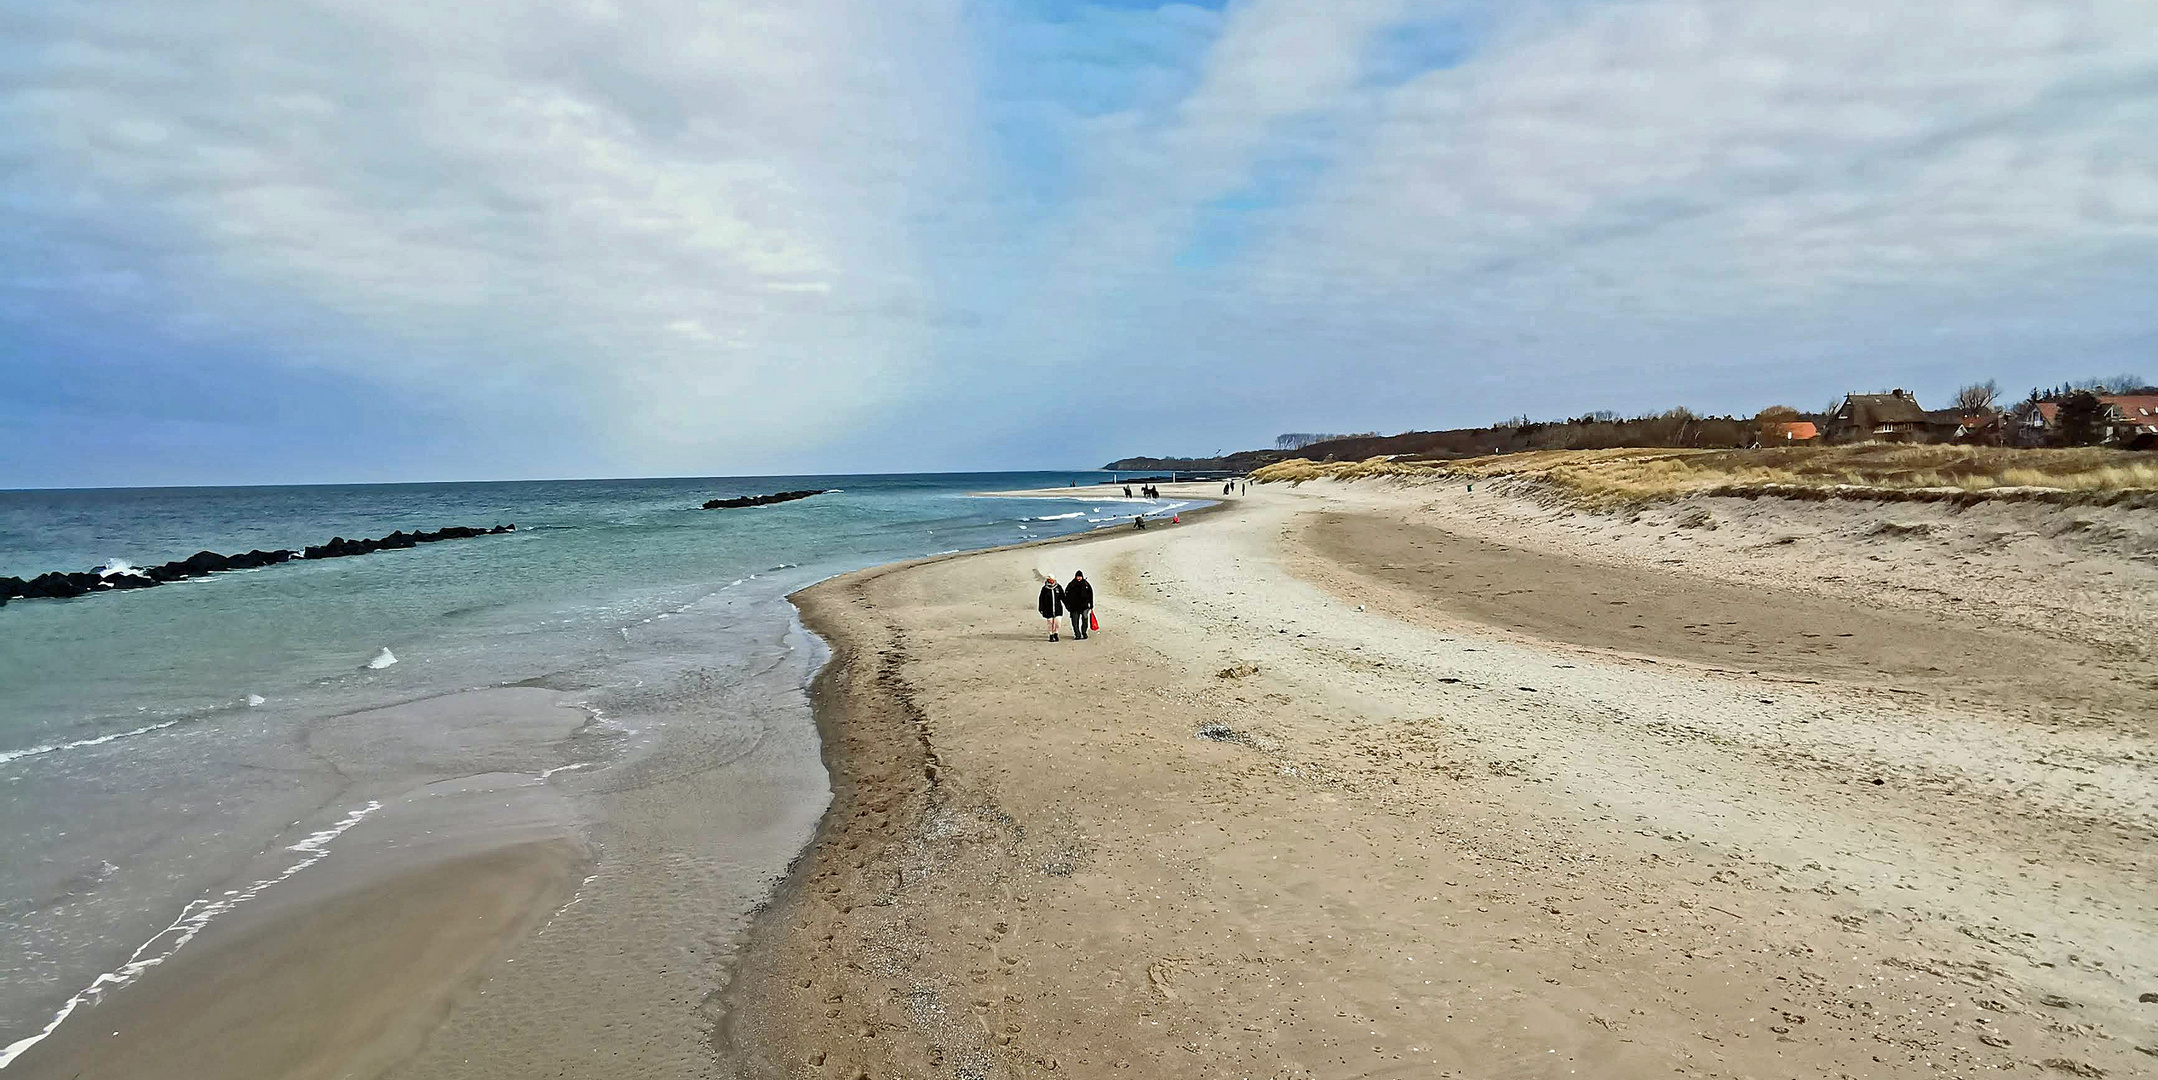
x=61 y=585
x=759 y=500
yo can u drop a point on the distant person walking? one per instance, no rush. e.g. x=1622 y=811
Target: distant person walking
x=1051 y=604
x=1127 y=491
x=1079 y=600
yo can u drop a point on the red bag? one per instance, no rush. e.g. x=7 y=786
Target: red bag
x=1092 y=623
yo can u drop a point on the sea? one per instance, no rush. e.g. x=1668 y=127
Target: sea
x=170 y=755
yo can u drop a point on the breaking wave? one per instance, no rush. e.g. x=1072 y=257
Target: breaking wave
x=54 y=748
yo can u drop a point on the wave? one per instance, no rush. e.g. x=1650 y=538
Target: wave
x=382 y=659
x=54 y=748
x=193 y=919
x=1058 y=517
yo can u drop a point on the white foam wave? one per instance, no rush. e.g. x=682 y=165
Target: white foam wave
x=1059 y=517
x=382 y=659
x=255 y=700
x=54 y=748
x=572 y=767
x=119 y=566
x=193 y=918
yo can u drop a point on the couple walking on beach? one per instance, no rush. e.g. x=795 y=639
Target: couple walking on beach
x=1076 y=598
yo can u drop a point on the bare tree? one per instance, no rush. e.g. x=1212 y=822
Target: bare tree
x=2119 y=384
x=1978 y=397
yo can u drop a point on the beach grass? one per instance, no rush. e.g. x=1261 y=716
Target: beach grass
x=1630 y=476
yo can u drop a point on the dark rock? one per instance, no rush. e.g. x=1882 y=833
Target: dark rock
x=205 y=562
x=62 y=586
x=58 y=586
x=758 y=500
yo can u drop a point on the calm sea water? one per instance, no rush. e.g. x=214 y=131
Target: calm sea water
x=150 y=741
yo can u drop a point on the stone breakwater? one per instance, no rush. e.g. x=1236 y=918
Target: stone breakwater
x=758 y=500
x=60 y=585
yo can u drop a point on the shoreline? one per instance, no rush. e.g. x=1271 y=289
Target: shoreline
x=995 y=891
x=685 y=773
x=869 y=734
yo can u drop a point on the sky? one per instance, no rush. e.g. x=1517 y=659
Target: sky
x=374 y=240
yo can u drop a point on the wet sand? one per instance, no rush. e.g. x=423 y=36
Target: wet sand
x=338 y=948
x=1298 y=811
x=342 y=987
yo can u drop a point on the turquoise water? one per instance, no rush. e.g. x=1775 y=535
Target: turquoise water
x=152 y=739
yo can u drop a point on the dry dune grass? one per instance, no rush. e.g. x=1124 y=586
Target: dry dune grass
x=1629 y=476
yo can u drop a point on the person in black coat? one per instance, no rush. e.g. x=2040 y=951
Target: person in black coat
x=1079 y=600
x=1051 y=604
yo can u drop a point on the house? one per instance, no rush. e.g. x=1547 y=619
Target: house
x=2134 y=421
x=1786 y=432
x=1892 y=417
x=1978 y=429
x=2131 y=420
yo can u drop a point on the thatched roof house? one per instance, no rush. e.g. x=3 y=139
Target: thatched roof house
x=1891 y=417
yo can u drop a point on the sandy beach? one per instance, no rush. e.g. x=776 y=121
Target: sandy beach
x=1357 y=780
x=1368 y=780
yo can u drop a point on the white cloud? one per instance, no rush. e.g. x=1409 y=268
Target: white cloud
x=1670 y=193
x=694 y=221
x=697 y=229
x=1814 y=148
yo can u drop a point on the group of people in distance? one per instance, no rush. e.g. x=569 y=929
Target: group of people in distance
x=1077 y=599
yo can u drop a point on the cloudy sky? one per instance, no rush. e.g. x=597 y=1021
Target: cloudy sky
x=250 y=241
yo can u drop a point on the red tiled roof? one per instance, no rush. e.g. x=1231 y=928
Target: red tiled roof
x=1791 y=431
x=2138 y=410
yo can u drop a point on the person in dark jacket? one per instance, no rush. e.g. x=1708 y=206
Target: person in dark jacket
x=1079 y=600
x=1051 y=604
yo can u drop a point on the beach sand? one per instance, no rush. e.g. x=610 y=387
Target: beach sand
x=1373 y=780
x=345 y=987
x=1355 y=781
